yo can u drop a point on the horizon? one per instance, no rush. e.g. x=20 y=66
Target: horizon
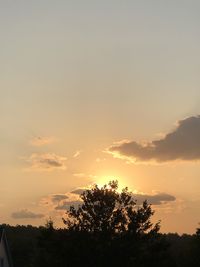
x=100 y=91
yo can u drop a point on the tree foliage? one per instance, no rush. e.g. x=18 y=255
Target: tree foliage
x=105 y=210
x=111 y=224
x=107 y=229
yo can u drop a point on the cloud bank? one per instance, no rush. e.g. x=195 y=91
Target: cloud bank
x=64 y=201
x=26 y=214
x=183 y=143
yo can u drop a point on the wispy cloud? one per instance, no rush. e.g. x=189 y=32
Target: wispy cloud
x=98 y=160
x=46 y=162
x=42 y=141
x=77 y=154
x=78 y=191
x=58 y=197
x=80 y=174
x=26 y=214
x=179 y=144
x=84 y=175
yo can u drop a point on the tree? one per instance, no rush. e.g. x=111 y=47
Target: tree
x=113 y=227
x=49 y=246
x=196 y=249
x=105 y=210
x=198 y=232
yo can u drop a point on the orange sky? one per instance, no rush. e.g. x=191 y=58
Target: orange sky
x=99 y=90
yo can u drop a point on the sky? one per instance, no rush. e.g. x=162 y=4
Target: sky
x=93 y=91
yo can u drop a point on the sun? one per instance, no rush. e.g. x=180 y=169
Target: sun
x=105 y=179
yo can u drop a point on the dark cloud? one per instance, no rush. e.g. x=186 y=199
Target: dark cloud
x=181 y=144
x=156 y=199
x=62 y=202
x=47 y=162
x=26 y=214
x=66 y=204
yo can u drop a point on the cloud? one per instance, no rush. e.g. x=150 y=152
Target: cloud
x=157 y=199
x=58 y=197
x=85 y=175
x=41 y=141
x=53 y=200
x=183 y=143
x=46 y=162
x=61 y=202
x=80 y=175
x=26 y=214
x=77 y=154
x=98 y=160
x=66 y=204
x=78 y=191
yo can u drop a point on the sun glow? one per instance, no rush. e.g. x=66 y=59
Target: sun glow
x=104 y=180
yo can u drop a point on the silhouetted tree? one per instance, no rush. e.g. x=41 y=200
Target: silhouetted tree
x=198 y=233
x=109 y=228
x=105 y=210
x=196 y=248
x=22 y=242
x=111 y=225
x=46 y=246
x=49 y=247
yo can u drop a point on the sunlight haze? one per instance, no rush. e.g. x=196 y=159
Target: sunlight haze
x=93 y=91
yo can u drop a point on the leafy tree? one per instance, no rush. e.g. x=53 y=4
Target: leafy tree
x=111 y=225
x=105 y=210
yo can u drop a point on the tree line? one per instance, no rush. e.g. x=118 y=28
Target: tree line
x=107 y=229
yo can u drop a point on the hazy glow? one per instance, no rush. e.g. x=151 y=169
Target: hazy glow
x=102 y=180
x=79 y=76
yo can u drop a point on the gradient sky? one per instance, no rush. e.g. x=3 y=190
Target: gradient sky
x=78 y=76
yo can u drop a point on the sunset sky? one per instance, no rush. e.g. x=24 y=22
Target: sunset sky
x=93 y=91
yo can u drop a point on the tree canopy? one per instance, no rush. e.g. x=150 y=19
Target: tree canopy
x=106 y=210
x=107 y=229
